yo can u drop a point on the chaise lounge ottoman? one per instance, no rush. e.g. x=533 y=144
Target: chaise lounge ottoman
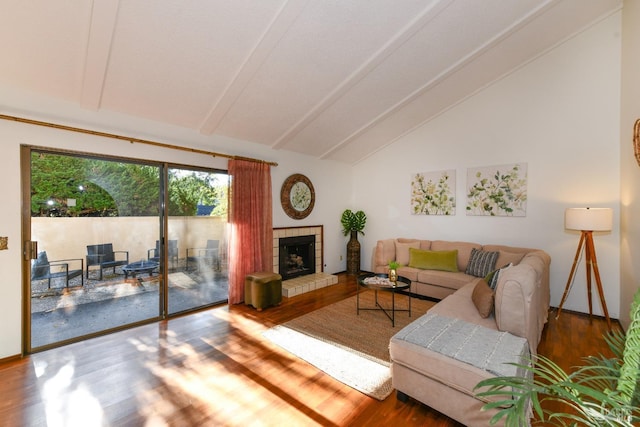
x=439 y=360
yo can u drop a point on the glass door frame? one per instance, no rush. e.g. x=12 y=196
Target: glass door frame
x=29 y=251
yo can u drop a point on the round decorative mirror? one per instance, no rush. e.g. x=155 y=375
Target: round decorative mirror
x=297 y=196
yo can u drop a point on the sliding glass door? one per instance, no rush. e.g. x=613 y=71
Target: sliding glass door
x=197 y=230
x=92 y=223
x=113 y=243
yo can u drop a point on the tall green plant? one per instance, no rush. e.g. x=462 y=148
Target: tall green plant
x=603 y=392
x=353 y=221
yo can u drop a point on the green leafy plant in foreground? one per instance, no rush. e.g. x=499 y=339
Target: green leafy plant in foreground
x=603 y=392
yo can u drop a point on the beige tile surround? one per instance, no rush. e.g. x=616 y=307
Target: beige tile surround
x=310 y=282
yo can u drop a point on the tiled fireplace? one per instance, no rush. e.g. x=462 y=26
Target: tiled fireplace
x=313 y=277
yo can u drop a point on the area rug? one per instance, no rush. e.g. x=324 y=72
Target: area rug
x=354 y=349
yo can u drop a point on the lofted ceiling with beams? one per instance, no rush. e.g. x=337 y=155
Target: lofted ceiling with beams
x=333 y=79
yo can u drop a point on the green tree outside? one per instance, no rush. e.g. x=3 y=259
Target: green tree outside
x=73 y=186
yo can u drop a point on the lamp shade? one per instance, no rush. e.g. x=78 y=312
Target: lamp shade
x=588 y=219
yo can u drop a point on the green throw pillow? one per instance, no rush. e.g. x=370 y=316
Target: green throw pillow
x=433 y=260
x=492 y=278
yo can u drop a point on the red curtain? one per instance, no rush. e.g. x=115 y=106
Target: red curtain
x=251 y=218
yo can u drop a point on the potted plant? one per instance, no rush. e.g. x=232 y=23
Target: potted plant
x=603 y=392
x=393 y=270
x=353 y=223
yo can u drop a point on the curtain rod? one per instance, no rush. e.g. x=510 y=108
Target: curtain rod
x=132 y=140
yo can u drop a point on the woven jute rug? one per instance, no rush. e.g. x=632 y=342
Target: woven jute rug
x=352 y=348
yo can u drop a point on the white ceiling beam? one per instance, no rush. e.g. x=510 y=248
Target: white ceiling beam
x=432 y=10
x=103 y=21
x=276 y=29
x=457 y=66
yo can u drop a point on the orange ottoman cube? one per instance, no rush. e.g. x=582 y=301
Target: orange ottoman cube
x=263 y=289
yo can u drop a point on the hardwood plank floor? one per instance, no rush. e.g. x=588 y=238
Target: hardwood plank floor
x=214 y=368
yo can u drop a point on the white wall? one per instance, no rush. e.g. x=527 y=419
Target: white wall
x=331 y=180
x=332 y=184
x=560 y=115
x=630 y=170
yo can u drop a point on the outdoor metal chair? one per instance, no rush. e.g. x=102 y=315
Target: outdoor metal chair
x=154 y=254
x=205 y=256
x=104 y=256
x=42 y=268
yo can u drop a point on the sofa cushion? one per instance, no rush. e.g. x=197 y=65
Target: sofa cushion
x=409 y=272
x=481 y=262
x=482 y=298
x=424 y=244
x=463 y=248
x=460 y=305
x=484 y=348
x=445 y=279
x=385 y=252
x=506 y=258
x=434 y=260
x=402 y=250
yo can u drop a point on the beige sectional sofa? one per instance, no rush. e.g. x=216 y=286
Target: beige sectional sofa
x=442 y=378
x=439 y=284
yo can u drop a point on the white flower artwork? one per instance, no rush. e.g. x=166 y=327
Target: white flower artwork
x=433 y=193
x=497 y=190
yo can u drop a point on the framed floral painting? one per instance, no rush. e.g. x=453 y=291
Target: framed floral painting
x=497 y=190
x=433 y=193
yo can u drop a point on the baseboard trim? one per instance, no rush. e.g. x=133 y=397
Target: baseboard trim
x=10 y=359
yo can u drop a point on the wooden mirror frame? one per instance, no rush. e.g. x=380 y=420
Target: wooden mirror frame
x=636 y=140
x=285 y=196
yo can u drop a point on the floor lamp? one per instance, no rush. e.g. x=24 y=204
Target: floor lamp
x=587 y=220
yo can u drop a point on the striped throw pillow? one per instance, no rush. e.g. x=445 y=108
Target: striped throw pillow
x=481 y=262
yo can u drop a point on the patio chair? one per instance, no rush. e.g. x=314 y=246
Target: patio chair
x=154 y=254
x=104 y=256
x=205 y=256
x=42 y=268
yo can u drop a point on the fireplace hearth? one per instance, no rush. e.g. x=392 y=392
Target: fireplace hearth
x=305 y=282
x=297 y=256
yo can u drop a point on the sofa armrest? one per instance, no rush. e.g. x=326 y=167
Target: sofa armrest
x=516 y=303
x=541 y=261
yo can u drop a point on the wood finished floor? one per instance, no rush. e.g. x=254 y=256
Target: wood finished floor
x=214 y=368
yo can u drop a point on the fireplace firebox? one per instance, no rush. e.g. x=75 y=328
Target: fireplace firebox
x=297 y=256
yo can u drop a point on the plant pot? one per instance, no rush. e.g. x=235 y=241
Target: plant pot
x=393 y=275
x=353 y=254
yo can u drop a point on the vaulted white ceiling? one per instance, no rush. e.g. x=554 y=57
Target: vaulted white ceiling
x=334 y=79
